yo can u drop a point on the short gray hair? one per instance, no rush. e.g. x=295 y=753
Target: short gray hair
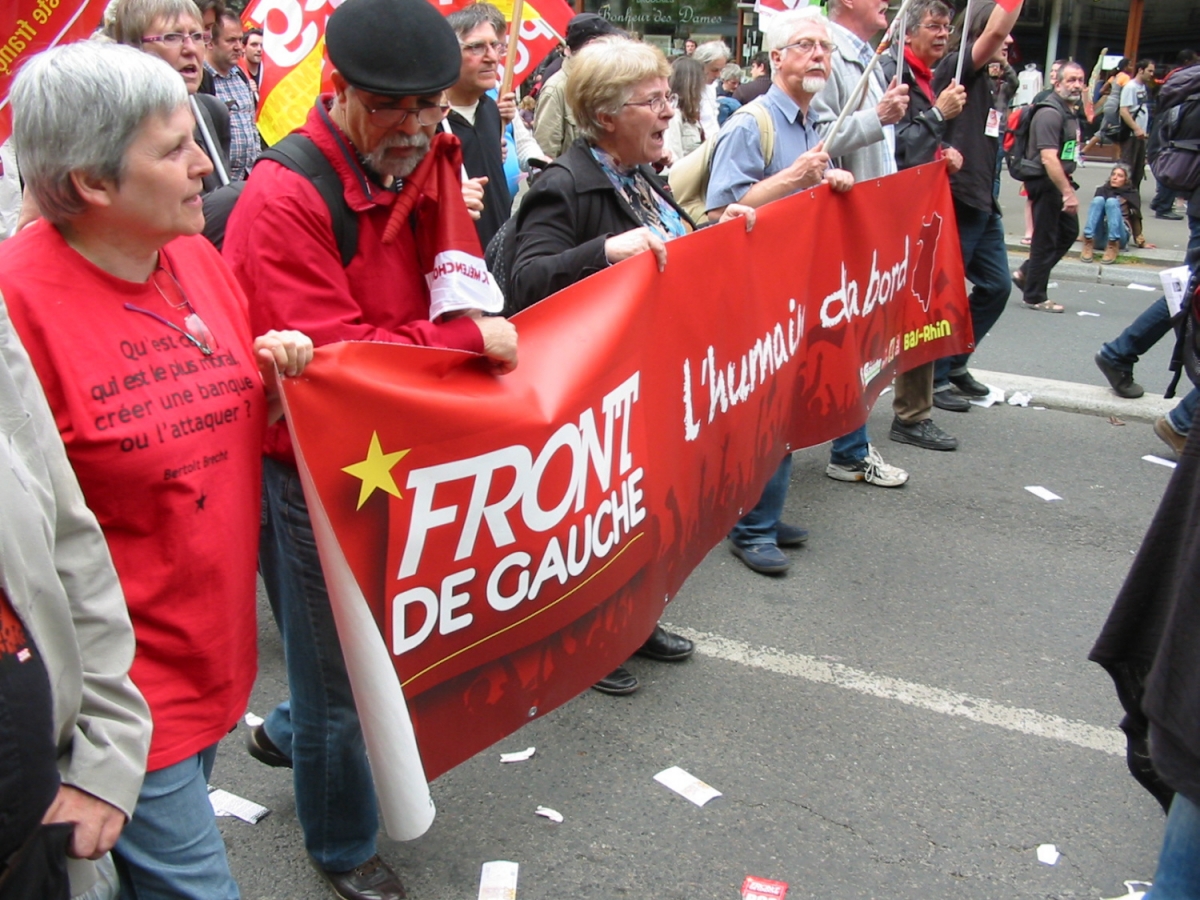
x=77 y=108
x=781 y=27
x=131 y=19
x=711 y=51
x=921 y=8
x=733 y=70
x=467 y=19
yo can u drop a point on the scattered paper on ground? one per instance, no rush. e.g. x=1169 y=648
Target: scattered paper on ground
x=1048 y=854
x=552 y=814
x=1134 y=286
x=1052 y=284
x=1038 y=491
x=1135 y=890
x=1159 y=461
x=498 y=880
x=227 y=804
x=518 y=756
x=1085 y=312
x=686 y=785
x=252 y=720
x=995 y=395
x=763 y=889
x=1020 y=398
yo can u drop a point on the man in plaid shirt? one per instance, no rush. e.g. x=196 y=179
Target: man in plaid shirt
x=233 y=88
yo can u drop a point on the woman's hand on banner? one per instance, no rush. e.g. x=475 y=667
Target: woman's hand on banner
x=499 y=340
x=839 y=179
x=631 y=243
x=739 y=211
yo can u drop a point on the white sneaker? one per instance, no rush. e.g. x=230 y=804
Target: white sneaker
x=872 y=470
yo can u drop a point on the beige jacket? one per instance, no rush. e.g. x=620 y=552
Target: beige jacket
x=554 y=126
x=57 y=572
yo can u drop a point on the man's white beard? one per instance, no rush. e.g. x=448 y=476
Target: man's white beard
x=812 y=84
x=400 y=167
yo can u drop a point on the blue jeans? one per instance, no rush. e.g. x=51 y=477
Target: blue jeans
x=850 y=448
x=758 y=526
x=1105 y=223
x=1146 y=331
x=318 y=728
x=985 y=260
x=171 y=848
x=1178 y=874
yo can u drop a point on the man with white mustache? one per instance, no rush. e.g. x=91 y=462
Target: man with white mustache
x=798 y=41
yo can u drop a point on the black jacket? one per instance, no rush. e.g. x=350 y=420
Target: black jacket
x=564 y=220
x=481 y=156
x=921 y=132
x=216 y=118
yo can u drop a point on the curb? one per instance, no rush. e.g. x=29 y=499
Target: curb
x=1071 y=396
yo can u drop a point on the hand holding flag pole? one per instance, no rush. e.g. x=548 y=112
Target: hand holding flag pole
x=860 y=90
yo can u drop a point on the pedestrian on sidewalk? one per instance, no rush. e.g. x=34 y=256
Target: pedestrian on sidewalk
x=1054 y=137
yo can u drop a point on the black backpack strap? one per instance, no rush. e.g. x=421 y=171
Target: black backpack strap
x=300 y=155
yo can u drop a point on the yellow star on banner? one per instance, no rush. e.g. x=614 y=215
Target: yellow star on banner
x=376 y=471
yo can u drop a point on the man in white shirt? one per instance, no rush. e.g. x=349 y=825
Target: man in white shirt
x=1135 y=116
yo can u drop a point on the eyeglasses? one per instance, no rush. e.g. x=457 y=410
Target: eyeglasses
x=394 y=116
x=481 y=47
x=808 y=45
x=936 y=27
x=178 y=38
x=194 y=331
x=658 y=104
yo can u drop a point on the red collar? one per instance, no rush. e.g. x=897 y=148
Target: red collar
x=922 y=74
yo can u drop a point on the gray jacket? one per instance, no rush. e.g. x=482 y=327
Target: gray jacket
x=56 y=570
x=861 y=144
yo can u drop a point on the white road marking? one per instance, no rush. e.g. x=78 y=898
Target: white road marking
x=950 y=703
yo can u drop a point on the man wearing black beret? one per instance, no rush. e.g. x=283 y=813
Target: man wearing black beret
x=393 y=61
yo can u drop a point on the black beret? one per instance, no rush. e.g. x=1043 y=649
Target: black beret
x=586 y=27
x=399 y=48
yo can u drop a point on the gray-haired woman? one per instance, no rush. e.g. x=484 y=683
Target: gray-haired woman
x=600 y=203
x=141 y=340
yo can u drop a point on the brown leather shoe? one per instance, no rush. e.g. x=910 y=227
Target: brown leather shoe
x=1110 y=252
x=1170 y=436
x=1088 y=253
x=373 y=880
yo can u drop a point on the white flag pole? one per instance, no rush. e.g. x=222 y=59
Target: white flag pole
x=962 y=43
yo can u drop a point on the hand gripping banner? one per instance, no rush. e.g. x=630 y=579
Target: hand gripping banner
x=495 y=544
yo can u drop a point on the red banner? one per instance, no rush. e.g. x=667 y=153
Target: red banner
x=31 y=26
x=506 y=541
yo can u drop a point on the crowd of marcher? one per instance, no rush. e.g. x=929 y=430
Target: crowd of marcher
x=168 y=268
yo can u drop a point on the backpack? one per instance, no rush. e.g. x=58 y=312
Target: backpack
x=1021 y=165
x=300 y=155
x=689 y=176
x=1174 y=148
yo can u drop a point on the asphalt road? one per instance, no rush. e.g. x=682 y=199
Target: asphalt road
x=908 y=713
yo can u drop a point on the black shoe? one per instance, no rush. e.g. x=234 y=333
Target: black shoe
x=1121 y=380
x=966 y=385
x=262 y=749
x=373 y=880
x=1169 y=214
x=790 y=535
x=666 y=647
x=924 y=434
x=950 y=401
x=619 y=682
x=1018 y=279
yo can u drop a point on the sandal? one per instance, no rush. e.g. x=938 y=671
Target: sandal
x=1027 y=241
x=1046 y=306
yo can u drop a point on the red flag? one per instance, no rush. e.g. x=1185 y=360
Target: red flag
x=34 y=26
x=447 y=242
x=543 y=25
x=1009 y=5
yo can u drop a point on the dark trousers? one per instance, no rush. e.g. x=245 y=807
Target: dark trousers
x=1133 y=154
x=1054 y=231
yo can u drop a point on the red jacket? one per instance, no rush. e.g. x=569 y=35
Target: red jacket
x=280 y=246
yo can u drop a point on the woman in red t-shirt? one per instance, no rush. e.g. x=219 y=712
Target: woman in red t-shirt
x=140 y=338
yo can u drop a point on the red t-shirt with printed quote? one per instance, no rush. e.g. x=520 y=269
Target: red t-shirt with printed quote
x=166 y=443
